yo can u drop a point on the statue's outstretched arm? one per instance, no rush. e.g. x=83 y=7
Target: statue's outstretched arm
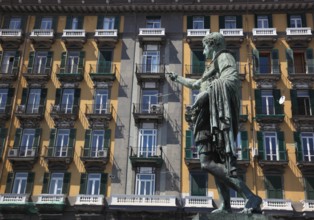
x=210 y=71
x=182 y=80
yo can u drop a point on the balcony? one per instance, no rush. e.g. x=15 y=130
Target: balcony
x=296 y=35
x=99 y=115
x=42 y=38
x=70 y=74
x=8 y=73
x=23 y=158
x=304 y=160
x=150 y=73
x=11 y=38
x=194 y=71
x=58 y=157
x=105 y=37
x=192 y=158
x=264 y=35
x=270 y=162
x=29 y=114
x=143 y=203
x=95 y=160
x=37 y=75
x=195 y=36
x=237 y=203
x=148 y=113
x=280 y=207
x=244 y=113
x=103 y=73
x=141 y=157
x=308 y=208
x=64 y=114
x=234 y=35
x=301 y=75
x=51 y=203
x=269 y=118
x=303 y=120
x=15 y=203
x=197 y=203
x=267 y=76
x=74 y=38
x=243 y=160
x=89 y=203
x=151 y=35
x=5 y=113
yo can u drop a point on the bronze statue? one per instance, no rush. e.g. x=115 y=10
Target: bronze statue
x=215 y=118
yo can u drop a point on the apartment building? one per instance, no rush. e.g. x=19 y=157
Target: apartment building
x=92 y=127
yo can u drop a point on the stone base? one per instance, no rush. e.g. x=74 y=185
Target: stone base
x=231 y=216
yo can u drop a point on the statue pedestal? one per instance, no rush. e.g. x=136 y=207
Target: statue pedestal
x=231 y=216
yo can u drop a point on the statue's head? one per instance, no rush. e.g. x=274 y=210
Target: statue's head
x=213 y=43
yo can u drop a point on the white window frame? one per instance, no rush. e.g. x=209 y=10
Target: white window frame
x=101 y=101
x=146 y=138
x=3 y=99
x=63 y=136
x=145 y=178
x=56 y=183
x=108 y=23
x=239 y=146
x=33 y=102
x=268 y=102
x=295 y=21
x=198 y=22
x=98 y=141
x=153 y=23
x=262 y=21
x=73 y=62
x=230 y=22
x=46 y=23
x=92 y=179
x=74 y=25
x=149 y=97
x=307 y=105
x=67 y=101
x=40 y=62
x=271 y=149
x=20 y=183
x=151 y=59
x=7 y=62
x=307 y=139
x=27 y=141
x=15 y=23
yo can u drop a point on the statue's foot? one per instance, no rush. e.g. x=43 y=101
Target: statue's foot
x=222 y=210
x=253 y=205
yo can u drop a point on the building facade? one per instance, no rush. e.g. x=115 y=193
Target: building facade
x=92 y=127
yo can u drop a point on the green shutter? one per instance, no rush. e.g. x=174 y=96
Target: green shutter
x=309 y=187
x=294 y=102
x=81 y=62
x=30 y=62
x=17 y=138
x=63 y=60
x=30 y=182
x=52 y=139
x=103 y=184
x=239 y=21
x=66 y=183
x=83 y=183
x=290 y=61
x=278 y=107
x=199 y=184
x=117 y=22
x=206 y=22
x=38 y=22
x=107 y=139
x=245 y=145
x=303 y=18
x=288 y=21
x=104 y=61
x=282 y=146
x=58 y=96
x=275 y=61
x=255 y=21
x=69 y=20
x=6 y=21
x=299 y=149
x=189 y=22
x=49 y=63
x=309 y=61
x=16 y=62
x=24 y=96
x=80 y=22
x=87 y=143
x=8 y=106
x=3 y=136
x=8 y=186
x=260 y=144
x=71 y=142
x=258 y=101
x=76 y=102
x=188 y=144
x=37 y=139
x=274 y=187
x=100 y=22
x=55 y=23
x=46 y=181
x=270 y=21
x=43 y=97
x=312 y=100
x=221 y=22
x=198 y=62
x=256 y=68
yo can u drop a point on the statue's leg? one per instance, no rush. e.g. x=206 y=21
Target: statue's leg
x=224 y=196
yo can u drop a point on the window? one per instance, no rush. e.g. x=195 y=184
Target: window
x=109 y=23
x=7 y=62
x=307 y=140
x=198 y=62
x=239 y=146
x=295 y=21
x=145 y=181
x=198 y=182
x=270 y=144
x=151 y=59
x=303 y=101
x=62 y=142
x=265 y=61
x=19 y=184
x=268 y=103
x=27 y=141
x=230 y=22
x=15 y=23
x=153 y=22
x=104 y=61
x=46 y=23
x=3 y=99
x=73 y=61
x=198 y=22
x=93 y=184
x=149 y=98
x=98 y=138
x=33 y=101
x=75 y=22
x=67 y=100
x=262 y=21
x=56 y=183
x=274 y=187
x=40 y=62
x=101 y=101
x=147 y=142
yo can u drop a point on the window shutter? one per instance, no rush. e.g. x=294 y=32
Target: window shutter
x=258 y=101
x=104 y=61
x=312 y=100
x=117 y=22
x=255 y=21
x=198 y=62
x=275 y=61
x=49 y=63
x=37 y=139
x=24 y=96
x=288 y=21
x=8 y=186
x=100 y=22
x=303 y=18
x=43 y=96
x=278 y=107
x=294 y=102
x=55 y=23
x=309 y=186
x=46 y=181
x=245 y=145
x=107 y=138
x=80 y=22
x=290 y=61
x=274 y=187
x=207 y=22
x=255 y=61
x=68 y=23
x=239 y=21
x=8 y=106
x=309 y=61
x=63 y=60
x=281 y=145
x=66 y=183
x=81 y=62
x=30 y=182
x=52 y=139
x=270 y=21
x=71 y=142
x=198 y=184
x=17 y=138
x=38 y=22
x=58 y=96
x=221 y=22
x=16 y=63
x=260 y=144
x=3 y=136
x=1 y=53
x=30 y=62
x=299 y=149
x=103 y=184
x=76 y=102
x=83 y=183
x=189 y=22
x=6 y=22
x=87 y=142
x=188 y=144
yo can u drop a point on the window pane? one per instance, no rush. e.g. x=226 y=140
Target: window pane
x=101 y=99
x=7 y=62
x=3 y=99
x=46 y=23
x=149 y=97
x=268 y=107
x=33 y=101
x=109 y=23
x=93 y=184
x=56 y=183
x=19 y=185
x=67 y=100
x=230 y=22
x=262 y=22
x=198 y=22
x=62 y=142
x=40 y=63
x=97 y=141
x=15 y=23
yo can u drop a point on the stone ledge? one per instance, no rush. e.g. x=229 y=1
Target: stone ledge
x=231 y=216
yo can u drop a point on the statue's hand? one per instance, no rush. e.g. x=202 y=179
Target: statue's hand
x=197 y=84
x=173 y=76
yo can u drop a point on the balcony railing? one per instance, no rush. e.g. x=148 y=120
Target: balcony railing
x=5 y=112
x=281 y=156
x=197 y=32
x=264 y=32
x=195 y=70
x=60 y=151
x=232 y=32
x=39 y=33
x=37 y=70
x=308 y=205
x=63 y=109
x=95 y=153
x=198 y=202
x=8 y=71
x=99 y=109
x=277 y=204
x=149 y=109
x=149 y=156
x=23 y=151
x=237 y=203
x=51 y=198
x=152 y=32
x=73 y=33
x=150 y=68
x=192 y=153
x=89 y=200
x=14 y=198
x=106 y=68
x=140 y=200
x=298 y=31
x=10 y=33
x=302 y=69
x=106 y=33
x=29 y=110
